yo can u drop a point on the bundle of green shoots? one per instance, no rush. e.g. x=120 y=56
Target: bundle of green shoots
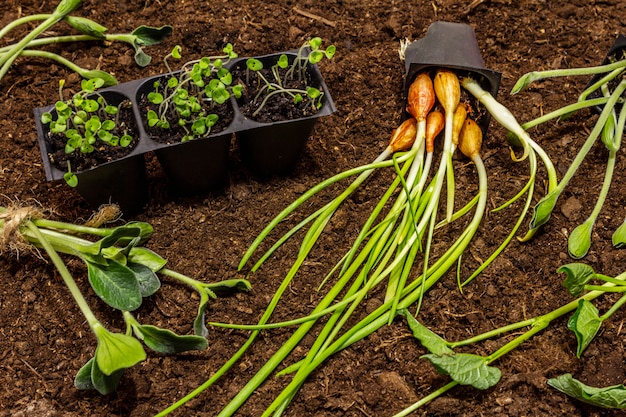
x=89 y=31
x=608 y=93
x=122 y=273
x=395 y=241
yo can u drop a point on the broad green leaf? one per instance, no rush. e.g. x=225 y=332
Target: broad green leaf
x=166 y=341
x=579 y=241
x=83 y=376
x=466 y=369
x=148 y=281
x=147 y=35
x=585 y=324
x=578 y=275
x=146 y=257
x=115 y=284
x=430 y=340
x=116 y=351
x=619 y=236
x=607 y=397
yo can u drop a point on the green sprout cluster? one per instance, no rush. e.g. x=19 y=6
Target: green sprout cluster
x=85 y=120
x=294 y=71
x=188 y=97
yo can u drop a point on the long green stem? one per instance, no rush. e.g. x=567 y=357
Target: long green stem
x=22 y=20
x=65 y=274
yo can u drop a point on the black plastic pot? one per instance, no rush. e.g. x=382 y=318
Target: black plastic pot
x=616 y=53
x=122 y=181
x=274 y=148
x=452 y=46
x=197 y=165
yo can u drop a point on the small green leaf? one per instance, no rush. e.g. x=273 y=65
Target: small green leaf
x=466 y=369
x=91 y=377
x=543 y=210
x=166 y=341
x=116 y=351
x=125 y=140
x=105 y=76
x=579 y=241
x=86 y=26
x=316 y=56
x=146 y=257
x=578 y=275
x=46 y=117
x=330 y=51
x=115 y=284
x=71 y=179
x=254 y=64
x=619 y=236
x=176 y=52
x=431 y=341
x=283 y=61
x=585 y=324
x=155 y=98
x=607 y=397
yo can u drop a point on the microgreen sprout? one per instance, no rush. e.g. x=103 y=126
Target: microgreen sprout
x=188 y=98
x=283 y=73
x=87 y=121
x=122 y=273
x=88 y=30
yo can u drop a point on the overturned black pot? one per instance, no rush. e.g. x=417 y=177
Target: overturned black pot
x=273 y=148
x=451 y=46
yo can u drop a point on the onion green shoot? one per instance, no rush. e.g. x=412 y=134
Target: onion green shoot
x=387 y=249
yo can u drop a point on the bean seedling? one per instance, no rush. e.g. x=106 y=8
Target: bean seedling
x=122 y=273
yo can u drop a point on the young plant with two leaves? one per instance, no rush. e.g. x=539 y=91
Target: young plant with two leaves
x=605 y=92
x=392 y=250
x=186 y=103
x=122 y=273
x=88 y=30
x=585 y=321
x=90 y=128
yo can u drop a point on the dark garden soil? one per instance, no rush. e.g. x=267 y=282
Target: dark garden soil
x=44 y=339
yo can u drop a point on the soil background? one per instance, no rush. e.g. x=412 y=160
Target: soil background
x=44 y=339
